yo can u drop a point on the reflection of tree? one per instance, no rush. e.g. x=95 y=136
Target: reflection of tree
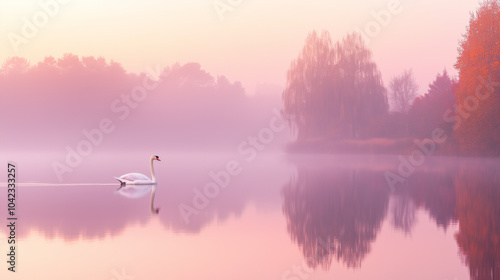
x=432 y=190
x=334 y=215
x=436 y=193
x=403 y=213
x=478 y=210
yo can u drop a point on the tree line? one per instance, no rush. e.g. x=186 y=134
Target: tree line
x=334 y=92
x=48 y=103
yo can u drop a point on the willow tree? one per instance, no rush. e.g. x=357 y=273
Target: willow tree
x=309 y=82
x=333 y=90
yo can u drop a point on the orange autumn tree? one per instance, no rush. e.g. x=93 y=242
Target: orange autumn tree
x=478 y=94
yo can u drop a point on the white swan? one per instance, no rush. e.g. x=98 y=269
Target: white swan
x=138 y=178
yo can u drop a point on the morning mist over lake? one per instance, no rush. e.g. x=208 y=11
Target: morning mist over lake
x=250 y=139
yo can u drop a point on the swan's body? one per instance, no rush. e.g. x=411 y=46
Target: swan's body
x=138 y=178
x=135 y=179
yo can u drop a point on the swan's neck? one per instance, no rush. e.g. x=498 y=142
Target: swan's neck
x=153 y=177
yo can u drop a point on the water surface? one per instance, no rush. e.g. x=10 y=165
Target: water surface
x=282 y=217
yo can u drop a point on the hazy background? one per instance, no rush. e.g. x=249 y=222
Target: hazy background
x=255 y=42
x=49 y=106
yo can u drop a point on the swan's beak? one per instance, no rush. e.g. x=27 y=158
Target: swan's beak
x=158 y=159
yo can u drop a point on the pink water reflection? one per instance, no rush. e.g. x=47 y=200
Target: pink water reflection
x=268 y=224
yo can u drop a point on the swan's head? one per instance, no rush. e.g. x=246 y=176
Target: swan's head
x=155 y=157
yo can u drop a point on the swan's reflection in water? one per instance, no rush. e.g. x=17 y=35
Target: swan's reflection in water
x=138 y=191
x=152 y=201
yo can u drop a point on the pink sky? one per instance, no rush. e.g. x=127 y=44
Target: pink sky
x=254 y=43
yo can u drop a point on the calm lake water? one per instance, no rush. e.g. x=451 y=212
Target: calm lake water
x=281 y=217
